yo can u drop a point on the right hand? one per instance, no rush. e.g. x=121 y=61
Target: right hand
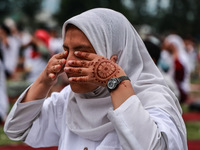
x=92 y=68
x=54 y=67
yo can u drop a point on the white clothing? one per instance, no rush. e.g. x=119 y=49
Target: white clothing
x=11 y=54
x=49 y=126
x=4 y=104
x=166 y=67
x=33 y=65
x=151 y=119
x=55 y=45
x=110 y=33
x=183 y=57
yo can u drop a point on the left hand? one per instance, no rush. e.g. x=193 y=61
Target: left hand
x=92 y=68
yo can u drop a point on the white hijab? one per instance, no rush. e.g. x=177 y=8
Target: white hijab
x=183 y=58
x=111 y=33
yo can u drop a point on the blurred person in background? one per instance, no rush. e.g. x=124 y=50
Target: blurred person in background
x=55 y=42
x=4 y=102
x=55 y=45
x=191 y=50
x=9 y=45
x=153 y=46
x=37 y=54
x=177 y=63
x=117 y=97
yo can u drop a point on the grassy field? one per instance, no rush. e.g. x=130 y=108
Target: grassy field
x=193 y=130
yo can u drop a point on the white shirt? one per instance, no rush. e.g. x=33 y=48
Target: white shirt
x=11 y=54
x=42 y=123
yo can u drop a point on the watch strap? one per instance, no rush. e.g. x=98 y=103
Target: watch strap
x=122 y=78
x=119 y=80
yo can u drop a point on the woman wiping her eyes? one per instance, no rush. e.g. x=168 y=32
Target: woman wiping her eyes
x=116 y=98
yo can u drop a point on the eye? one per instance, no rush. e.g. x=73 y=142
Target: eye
x=65 y=48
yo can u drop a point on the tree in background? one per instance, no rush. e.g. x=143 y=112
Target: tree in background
x=22 y=11
x=181 y=16
x=69 y=8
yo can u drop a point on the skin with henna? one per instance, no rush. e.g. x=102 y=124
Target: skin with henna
x=83 y=67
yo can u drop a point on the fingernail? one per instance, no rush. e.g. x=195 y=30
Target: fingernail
x=70 y=62
x=63 y=61
x=76 y=52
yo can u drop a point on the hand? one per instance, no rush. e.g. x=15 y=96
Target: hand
x=55 y=67
x=92 y=68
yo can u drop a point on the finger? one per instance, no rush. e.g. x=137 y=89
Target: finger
x=56 y=68
x=79 y=79
x=59 y=62
x=80 y=63
x=75 y=71
x=61 y=55
x=52 y=76
x=85 y=55
x=114 y=58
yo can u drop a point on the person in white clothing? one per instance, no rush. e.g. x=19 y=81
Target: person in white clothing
x=10 y=50
x=180 y=68
x=116 y=98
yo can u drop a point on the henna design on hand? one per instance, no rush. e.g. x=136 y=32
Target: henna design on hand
x=104 y=70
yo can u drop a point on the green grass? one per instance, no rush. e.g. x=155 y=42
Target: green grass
x=185 y=108
x=4 y=140
x=193 y=130
x=193 y=127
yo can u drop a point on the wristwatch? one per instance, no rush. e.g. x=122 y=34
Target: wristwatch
x=114 y=82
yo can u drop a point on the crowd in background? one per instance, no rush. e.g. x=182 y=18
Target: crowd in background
x=20 y=49
x=175 y=56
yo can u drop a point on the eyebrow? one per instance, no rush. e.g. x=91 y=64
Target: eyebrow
x=86 y=47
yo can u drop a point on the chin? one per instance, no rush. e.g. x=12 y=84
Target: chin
x=82 y=88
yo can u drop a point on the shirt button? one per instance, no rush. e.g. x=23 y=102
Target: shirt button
x=85 y=148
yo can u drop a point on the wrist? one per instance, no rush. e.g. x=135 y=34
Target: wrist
x=46 y=79
x=121 y=93
x=113 y=83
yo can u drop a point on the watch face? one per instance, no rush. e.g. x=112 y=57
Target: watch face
x=112 y=83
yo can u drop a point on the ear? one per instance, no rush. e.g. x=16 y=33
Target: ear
x=114 y=58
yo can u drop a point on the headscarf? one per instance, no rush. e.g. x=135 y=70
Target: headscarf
x=110 y=33
x=178 y=42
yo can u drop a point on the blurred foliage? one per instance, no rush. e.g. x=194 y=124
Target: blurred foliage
x=69 y=8
x=26 y=7
x=181 y=16
x=22 y=11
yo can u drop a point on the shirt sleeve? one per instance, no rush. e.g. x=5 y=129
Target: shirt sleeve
x=20 y=118
x=142 y=129
x=34 y=122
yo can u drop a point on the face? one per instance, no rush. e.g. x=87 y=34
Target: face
x=75 y=40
